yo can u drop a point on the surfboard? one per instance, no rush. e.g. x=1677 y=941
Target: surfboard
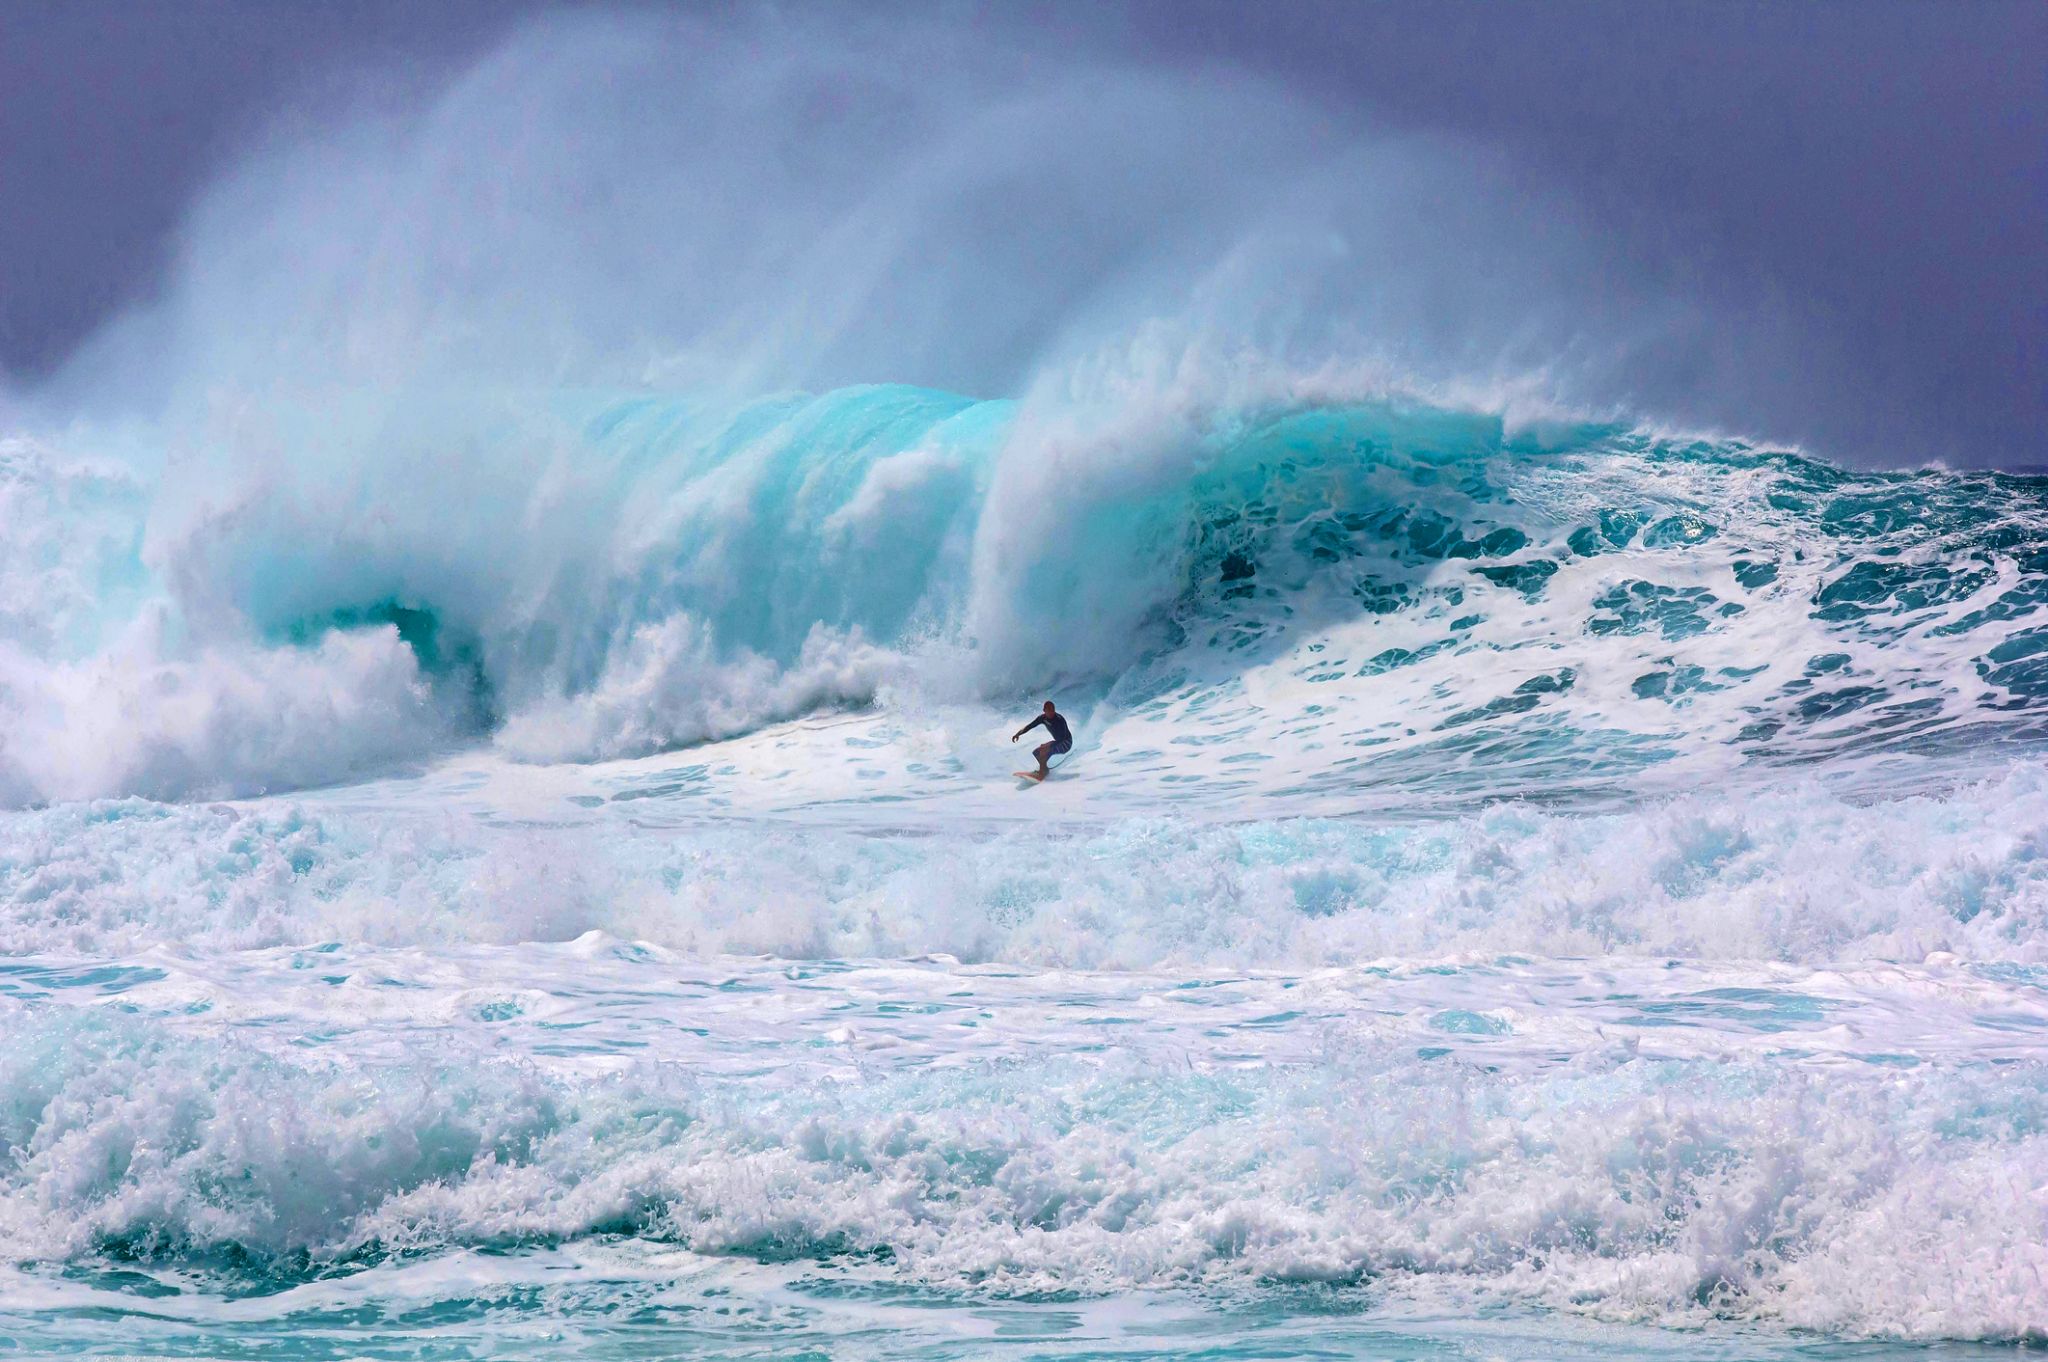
x=1031 y=776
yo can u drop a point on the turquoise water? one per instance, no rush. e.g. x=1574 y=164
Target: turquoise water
x=1511 y=897
x=547 y=1307
x=508 y=841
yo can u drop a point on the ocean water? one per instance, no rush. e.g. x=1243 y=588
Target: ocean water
x=1520 y=890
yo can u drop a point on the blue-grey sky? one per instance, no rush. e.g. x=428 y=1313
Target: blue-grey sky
x=1879 y=171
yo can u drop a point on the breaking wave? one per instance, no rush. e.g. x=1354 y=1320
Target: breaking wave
x=627 y=576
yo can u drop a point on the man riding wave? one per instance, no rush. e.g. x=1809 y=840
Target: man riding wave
x=1062 y=740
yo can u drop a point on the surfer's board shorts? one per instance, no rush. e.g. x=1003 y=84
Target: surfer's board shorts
x=1060 y=745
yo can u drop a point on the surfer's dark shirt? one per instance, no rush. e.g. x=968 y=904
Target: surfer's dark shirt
x=1056 y=725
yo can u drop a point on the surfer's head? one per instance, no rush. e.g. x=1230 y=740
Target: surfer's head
x=1048 y=706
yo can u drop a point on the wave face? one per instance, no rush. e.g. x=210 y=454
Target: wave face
x=1434 y=599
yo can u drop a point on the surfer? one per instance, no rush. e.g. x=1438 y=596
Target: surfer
x=1062 y=740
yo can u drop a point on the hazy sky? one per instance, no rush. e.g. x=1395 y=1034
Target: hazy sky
x=1880 y=169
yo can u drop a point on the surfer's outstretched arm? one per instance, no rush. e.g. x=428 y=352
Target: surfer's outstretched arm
x=1027 y=728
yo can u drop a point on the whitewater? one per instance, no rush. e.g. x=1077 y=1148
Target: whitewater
x=514 y=855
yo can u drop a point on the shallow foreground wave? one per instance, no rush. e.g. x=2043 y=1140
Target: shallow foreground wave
x=1652 y=1143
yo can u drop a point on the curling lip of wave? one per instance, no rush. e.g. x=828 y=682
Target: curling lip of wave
x=1598 y=600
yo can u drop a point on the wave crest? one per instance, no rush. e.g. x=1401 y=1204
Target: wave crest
x=1428 y=584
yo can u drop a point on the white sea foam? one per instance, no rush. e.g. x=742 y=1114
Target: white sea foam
x=1793 y=873
x=1756 y=1156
